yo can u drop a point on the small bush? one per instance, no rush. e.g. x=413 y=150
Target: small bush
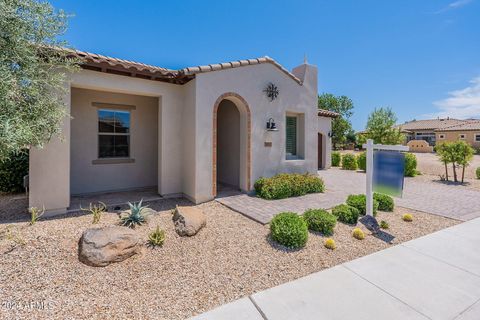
x=289 y=229
x=477 y=172
x=407 y=217
x=385 y=202
x=330 y=244
x=288 y=185
x=96 y=210
x=346 y=213
x=349 y=162
x=362 y=161
x=157 y=237
x=410 y=165
x=384 y=224
x=136 y=216
x=336 y=158
x=320 y=220
x=12 y=171
x=359 y=201
x=358 y=234
x=35 y=214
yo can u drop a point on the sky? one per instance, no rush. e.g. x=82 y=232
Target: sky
x=419 y=57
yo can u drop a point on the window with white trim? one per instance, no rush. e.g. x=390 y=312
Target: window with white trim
x=462 y=136
x=441 y=136
x=113 y=133
x=477 y=137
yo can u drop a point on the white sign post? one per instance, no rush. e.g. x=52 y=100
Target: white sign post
x=370 y=148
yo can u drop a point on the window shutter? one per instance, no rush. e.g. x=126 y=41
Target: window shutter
x=291 y=130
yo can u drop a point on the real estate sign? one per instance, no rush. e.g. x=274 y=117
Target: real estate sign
x=388 y=172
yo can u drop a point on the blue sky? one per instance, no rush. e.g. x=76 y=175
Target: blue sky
x=419 y=57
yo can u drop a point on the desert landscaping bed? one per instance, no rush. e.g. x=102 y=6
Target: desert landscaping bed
x=230 y=258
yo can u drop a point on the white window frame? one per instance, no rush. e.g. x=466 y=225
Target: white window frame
x=441 y=136
x=128 y=134
x=477 y=137
x=462 y=136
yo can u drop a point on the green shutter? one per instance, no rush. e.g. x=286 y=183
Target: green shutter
x=291 y=130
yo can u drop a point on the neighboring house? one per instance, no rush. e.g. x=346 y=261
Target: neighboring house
x=183 y=131
x=426 y=129
x=468 y=130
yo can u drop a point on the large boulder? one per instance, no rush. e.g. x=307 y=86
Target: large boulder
x=188 y=220
x=101 y=246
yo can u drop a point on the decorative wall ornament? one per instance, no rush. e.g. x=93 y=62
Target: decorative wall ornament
x=271 y=91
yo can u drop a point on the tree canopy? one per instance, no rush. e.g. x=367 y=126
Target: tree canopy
x=33 y=73
x=341 y=126
x=458 y=153
x=380 y=127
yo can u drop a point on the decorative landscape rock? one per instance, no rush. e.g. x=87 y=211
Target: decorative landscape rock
x=103 y=246
x=188 y=220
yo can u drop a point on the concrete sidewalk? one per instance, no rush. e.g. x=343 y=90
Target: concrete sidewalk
x=433 y=277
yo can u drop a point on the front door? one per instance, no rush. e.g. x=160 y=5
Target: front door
x=320 y=151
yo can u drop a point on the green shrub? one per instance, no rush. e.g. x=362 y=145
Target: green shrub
x=349 y=162
x=385 y=202
x=320 y=220
x=359 y=201
x=477 y=172
x=362 y=161
x=410 y=165
x=12 y=171
x=346 y=213
x=336 y=158
x=330 y=244
x=357 y=233
x=288 y=185
x=156 y=237
x=289 y=229
x=384 y=224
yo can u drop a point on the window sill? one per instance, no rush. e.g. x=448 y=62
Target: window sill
x=113 y=161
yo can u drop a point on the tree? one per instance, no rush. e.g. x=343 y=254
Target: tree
x=458 y=153
x=380 y=127
x=33 y=72
x=341 y=125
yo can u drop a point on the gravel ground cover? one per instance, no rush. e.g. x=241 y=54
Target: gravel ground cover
x=231 y=257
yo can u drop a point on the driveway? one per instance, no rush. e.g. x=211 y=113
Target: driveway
x=433 y=277
x=453 y=201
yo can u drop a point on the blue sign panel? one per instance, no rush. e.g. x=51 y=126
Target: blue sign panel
x=388 y=172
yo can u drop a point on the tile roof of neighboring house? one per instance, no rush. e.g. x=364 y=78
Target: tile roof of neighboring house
x=107 y=64
x=431 y=124
x=466 y=125
x=327 y=113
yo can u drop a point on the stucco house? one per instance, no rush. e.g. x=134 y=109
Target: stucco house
x=182 y=131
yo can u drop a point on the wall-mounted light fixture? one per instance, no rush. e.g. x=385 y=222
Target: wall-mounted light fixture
x=271 y=125
x=330 y=134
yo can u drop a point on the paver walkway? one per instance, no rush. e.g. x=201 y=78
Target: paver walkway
x=450 y=201
x=433 y=277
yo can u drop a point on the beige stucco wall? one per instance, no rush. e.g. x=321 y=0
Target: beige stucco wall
x=455 y=135
x=88 y=177
x=249 y=82
x=228 y=144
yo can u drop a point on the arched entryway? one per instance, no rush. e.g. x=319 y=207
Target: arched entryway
x=231 y=143
x=320 y=151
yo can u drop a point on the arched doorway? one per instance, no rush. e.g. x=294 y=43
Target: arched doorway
x=320 y=151
x=231 y=143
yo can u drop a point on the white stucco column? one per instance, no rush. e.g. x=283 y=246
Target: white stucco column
x=49 y=170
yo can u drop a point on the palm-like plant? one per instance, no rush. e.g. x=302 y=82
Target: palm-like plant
x=136 y=216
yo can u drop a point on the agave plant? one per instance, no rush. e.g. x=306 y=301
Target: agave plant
x=136 y=216
x=157 y=237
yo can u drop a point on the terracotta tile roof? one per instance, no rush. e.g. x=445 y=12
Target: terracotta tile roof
x=466 y=125
x=99 y=62
x=236 y=64
x=430 y=124
x=327 y=113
